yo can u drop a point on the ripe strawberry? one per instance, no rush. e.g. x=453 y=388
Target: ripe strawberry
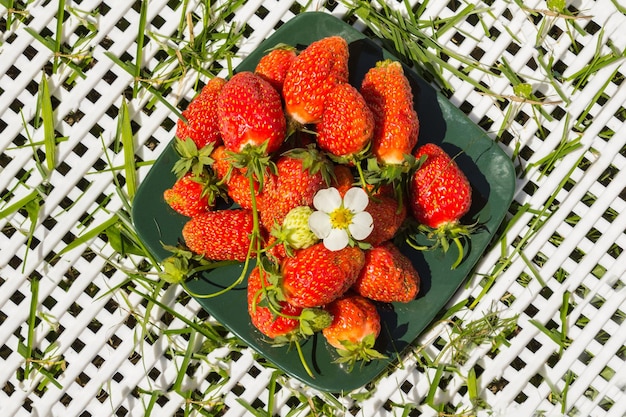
x=440 y=191
x=388 y=216
x=262 y=317
x=312 y=75
x=354 y=329
x=221 y=165
x=250 y=113
x=347 y=123
x=233 y=180
x=440 y=195
x=388 y=94
x=299 y=175
x=316 y=276
x=274 y=65
x=220 y=234
x=201 y=115
x=388 y=275
x=188 y=196
x=343 y=178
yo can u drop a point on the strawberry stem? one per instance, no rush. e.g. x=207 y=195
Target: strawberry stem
x=459 y=246
x=302 y=360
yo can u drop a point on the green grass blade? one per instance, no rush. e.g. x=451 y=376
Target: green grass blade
x=87 y=236
x=434 y=384
x=32 y=319
x=186 y=360
x=472 y=386
x=125 y=135
x=59 y=34
x=140 y=41
x=547 y=332
x=47 y=116
x=20 y=204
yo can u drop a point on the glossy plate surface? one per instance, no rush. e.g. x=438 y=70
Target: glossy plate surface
x=488 y=168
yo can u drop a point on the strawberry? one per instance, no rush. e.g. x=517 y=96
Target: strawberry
x=388 y=94
x=312 y=75
x=440 y=195
x=250 y=113
x=299 y=175
x=388 y=216
x=294 y=232
x=188 y=196
x=274 y=65
x=221 y=165
x=220 y=234
x=354 y=329
x=388 y=275
x=261 y=315
x=201 y=115
x=440 y=191
x=316 y=275
x=343 y=179
x=347 y=123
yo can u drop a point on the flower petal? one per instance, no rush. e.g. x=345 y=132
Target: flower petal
x=336 y=240
x=361 y=226
x=327 y=199
x=319 y=223
x=356 y=199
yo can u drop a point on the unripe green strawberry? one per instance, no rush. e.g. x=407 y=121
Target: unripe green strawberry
x=295 y=229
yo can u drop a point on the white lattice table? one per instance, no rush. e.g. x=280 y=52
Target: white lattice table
x=558 y=272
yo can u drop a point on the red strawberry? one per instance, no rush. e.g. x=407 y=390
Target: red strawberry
x=354 y=329
x=388 y=275
x=221 y=164
x=387 y=92
x=237 y=185
x=440 y=195
x=347 y=123
x=201 y=115
x=250 y=113
x=262 y=317
x=312 y=75
x=316 y=276
x=274 y=65
x=299 y=175
x=220 y=235
x=343 y=179
x=388 y=216
x=440 y=191
x=188 y=196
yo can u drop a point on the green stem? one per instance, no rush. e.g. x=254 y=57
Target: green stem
x=459 y=258
x=302 y=360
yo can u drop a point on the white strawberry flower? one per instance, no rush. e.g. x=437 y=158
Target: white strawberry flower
x=338 y=221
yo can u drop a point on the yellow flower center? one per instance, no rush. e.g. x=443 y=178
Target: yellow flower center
x=341 y=218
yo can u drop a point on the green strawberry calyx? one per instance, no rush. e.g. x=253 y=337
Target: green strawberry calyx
x=363 y=351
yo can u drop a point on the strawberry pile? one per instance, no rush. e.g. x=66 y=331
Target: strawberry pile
x=280 y=142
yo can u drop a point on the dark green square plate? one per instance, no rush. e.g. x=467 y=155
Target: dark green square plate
x=488 y=168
